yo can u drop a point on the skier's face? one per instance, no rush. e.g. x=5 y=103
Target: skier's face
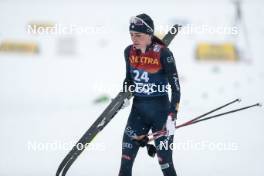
x=140 y=40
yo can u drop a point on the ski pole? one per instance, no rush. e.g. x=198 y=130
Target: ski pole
x=200 y=116
x=221 y=114
x=210 y=112
x=161 y=133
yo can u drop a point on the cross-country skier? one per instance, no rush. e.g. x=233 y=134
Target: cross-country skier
x=150 y=66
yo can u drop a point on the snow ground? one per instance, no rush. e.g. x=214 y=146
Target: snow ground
x=47 y=98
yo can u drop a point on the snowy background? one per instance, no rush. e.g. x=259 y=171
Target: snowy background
x=46 y=99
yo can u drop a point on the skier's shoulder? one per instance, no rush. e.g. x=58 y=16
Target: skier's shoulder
x=159 y=46
x=166 y=56
x=127 y=49
x=165 y=51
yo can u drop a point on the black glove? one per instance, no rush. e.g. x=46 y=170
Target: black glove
x=151 y=150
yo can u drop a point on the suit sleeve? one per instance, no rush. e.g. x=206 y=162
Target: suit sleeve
x=169 y=66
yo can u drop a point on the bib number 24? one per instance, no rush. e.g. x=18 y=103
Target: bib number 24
x=141 y=76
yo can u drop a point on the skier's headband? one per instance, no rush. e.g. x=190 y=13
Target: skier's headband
x=140 y=22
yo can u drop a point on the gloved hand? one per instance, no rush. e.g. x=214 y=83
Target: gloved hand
x=171 y=124
x=142 y=141
x=126 y=103
x=151 y=149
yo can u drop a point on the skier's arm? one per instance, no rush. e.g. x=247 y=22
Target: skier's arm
x=172 y=75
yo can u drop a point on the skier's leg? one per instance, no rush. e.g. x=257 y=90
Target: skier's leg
x=129 y=152
x=164 y=153
x=135 y=126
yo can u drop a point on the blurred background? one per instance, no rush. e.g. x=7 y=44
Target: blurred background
x=62 y=61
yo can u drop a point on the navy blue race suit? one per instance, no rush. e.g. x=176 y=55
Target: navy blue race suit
x=148 y=76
